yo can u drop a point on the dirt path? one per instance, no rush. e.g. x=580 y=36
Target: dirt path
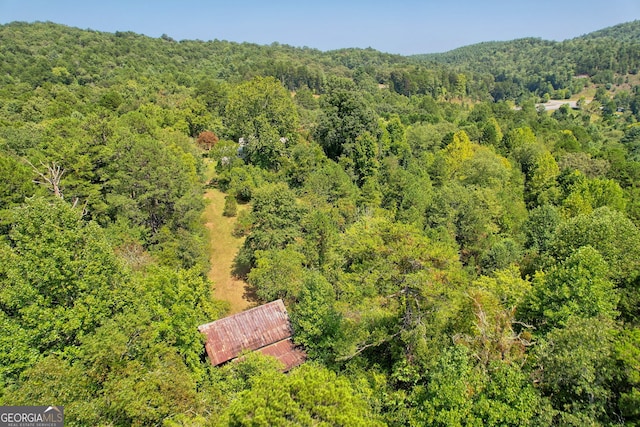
x=556 y=104
x=224 y=247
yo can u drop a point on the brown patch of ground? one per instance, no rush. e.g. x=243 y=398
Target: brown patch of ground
x=224 y=247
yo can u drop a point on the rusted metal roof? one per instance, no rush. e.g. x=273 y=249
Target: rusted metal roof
x=265 y=328
x=286 y=352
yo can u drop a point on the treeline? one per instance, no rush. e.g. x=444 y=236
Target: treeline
x=445 y=260
x=549 y=69
x=47 y=52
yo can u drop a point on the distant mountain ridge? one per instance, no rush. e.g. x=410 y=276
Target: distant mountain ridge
x=627 y=32
x=41 y=52
x=541 y=66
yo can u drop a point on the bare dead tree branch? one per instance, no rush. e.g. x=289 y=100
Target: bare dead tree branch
x=52 y=178
x=366 y=346
x=517 y=322
x=84 y=206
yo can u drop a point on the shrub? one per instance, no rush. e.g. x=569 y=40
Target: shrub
x=230 y=206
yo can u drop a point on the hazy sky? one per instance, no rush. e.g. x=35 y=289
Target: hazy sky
x=400 y=26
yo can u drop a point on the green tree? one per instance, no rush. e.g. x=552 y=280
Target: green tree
x=17 y=351
x=509 y=398
x=242 y=182
x=616 y=238
x=449 y=394
x=275 y=222
x=457 y=152
x=345 y=116
x=501 y=254
x=331 y=184
x=151 y=183
x=315 y=318
x=608 y=231
x=304 y=98
x=58 y=275
x=321 y=234
x=627 y=355
x=140 y=366
x=568 y=141
x=225 y=154
x=365 y=157
x=265 y=149
x=195 y=117
x=578 y=287
x=54 y=379
x=151 y=394
x=407 y=192
x=541 y=227
x=278 y=274
x=308 y=395
x=16 y=181
x=175 y=302
x=459 y=394
x=395 y=131
x=582 y=195
x=519 y=137
x=214 y=94
x=230 y=206
x=491 y=133
x=460 y=85
x=540 y=186
x=258 y=106
x=305 y=159
x=575 y=369
x=473 y=217
x=400 y=287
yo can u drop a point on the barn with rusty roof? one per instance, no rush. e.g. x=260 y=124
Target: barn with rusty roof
x=265 y=328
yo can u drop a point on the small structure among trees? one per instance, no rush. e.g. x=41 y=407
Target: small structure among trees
x=265 y=328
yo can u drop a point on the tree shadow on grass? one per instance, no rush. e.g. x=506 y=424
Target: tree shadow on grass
x=250 y=295
x=240 y=270
x=241 y=267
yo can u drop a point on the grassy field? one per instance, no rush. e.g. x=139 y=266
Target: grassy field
x=224 y=247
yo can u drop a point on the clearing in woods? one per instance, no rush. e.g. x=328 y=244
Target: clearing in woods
x=224 y=247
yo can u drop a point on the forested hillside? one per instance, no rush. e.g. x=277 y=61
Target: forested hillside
x=447 y=257
x=548 y=69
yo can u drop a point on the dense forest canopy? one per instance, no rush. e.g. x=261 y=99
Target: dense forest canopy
x=450 y=252
x=547 y=68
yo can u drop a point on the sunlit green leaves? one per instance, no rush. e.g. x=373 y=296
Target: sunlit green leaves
x=307 y=396
x=59 y=274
